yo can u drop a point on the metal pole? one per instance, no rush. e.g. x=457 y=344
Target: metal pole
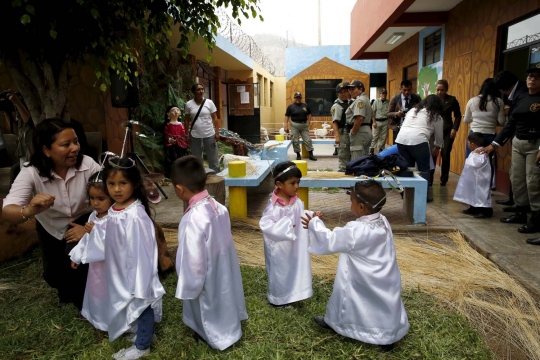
x=319 y=23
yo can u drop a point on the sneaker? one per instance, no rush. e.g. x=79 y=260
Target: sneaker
x=130 y=353
x=319 y=320
x=133 y=337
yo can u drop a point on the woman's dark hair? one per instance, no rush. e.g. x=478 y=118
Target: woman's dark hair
x=96 y=181
x=279 y=168
x=489 y=92
x=433 y=105
x=505 y=80
x=128 y=169
x=442 y=82
x=167 y=119
x=194 y=86
x=45 y=134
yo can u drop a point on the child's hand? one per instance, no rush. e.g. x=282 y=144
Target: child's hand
x=305 y=220
x=318 y=214
x=74 y=265
x=89 y=226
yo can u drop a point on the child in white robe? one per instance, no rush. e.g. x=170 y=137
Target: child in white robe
x=96 y=295
x=209 y=279
x=286 y=254
x=366 y=301
x=474 y=184
x=131 y=260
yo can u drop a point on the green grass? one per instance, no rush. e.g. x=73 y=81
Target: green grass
x=33 y=327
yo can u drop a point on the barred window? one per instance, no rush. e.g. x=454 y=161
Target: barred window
x=432 y=48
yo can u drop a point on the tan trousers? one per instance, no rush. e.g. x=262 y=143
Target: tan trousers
x=297 y=130
x=525 y=174
x=379 y=135
x=360 y=142
x=344 y=151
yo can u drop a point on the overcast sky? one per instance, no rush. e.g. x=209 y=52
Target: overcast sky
x=299 y=19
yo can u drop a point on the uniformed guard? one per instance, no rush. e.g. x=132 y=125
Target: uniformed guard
x=380 y=122
x=299 y=115
x=339 y=124
x=359 y=115
x=524 y=123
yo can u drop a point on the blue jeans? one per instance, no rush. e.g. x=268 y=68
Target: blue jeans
x=145 y=329
x=418 y=154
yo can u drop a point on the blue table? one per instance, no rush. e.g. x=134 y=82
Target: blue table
x=415 y=194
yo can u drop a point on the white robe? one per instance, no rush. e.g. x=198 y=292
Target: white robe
x=131 y=265
x=473 y=186
x=91 y=249
x=287 y=260
x=366 y=301
x=209 y=279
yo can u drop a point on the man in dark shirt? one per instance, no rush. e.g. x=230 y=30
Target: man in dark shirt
x=300 y=117
x=524 y=123
x=400 y=105
x=450 y=128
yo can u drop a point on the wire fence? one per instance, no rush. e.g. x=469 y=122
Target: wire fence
x=230 y=30
x=523 y=41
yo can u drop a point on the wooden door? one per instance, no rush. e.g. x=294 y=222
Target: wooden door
x=458 y=73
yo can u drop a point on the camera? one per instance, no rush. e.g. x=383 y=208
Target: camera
x=6 y=104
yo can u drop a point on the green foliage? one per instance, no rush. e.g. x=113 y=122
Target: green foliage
x=427 y=77
x=33 y=327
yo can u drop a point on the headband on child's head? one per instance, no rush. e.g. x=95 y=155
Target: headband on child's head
x=284 y=171
x=105 y=155
x=118 y=166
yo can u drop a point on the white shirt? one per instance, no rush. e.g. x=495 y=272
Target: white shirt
x=203 y=126
x=70 y=195
x=416 y=129
x=484 y=122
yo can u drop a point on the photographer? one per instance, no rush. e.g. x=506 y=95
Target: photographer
x=19 y=122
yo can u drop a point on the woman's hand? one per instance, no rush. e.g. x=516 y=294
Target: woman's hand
x=75 y=233
x=39 y=204
x=435 y=151
x=89 y=226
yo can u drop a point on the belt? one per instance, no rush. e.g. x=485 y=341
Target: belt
x=299 y=122
x=382 y=119
x=365 y=124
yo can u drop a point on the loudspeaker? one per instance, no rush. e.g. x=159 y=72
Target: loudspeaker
x=124 y=95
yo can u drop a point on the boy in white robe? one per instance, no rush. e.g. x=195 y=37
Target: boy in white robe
x=209 y=279
x=366 y=301
x=474 y=184
x=286 y=254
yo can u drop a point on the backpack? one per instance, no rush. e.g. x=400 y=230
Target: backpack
x=371 y=165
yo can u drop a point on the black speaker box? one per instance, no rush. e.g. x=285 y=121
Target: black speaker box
x=124 y=95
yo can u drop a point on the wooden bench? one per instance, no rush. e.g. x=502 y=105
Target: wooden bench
x=414 y=199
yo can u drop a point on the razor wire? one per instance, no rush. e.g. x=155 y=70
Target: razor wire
x=230 y=30
x=523 y=40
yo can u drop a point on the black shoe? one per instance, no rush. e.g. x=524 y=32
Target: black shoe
x=387 y=348
x=198 y=337
x=335 y=152
x=529 y=228
x=311 y=157
x=443 y=183
x=533 y=241
x=319 y=320
x=471 y=211
x=481 y=216
x=298 y=156
x=508 y=202
x=517 y=218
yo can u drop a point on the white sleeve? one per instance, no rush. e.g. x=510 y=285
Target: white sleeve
x=325 y=241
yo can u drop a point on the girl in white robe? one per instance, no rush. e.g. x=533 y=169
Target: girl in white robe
x=91 y=250
x=286 y=254
x=474 y=184
x=131 y=260
x=209 y=279
x=366 y=301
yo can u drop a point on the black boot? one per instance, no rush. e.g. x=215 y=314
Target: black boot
x=520 y=217
x=335 y=151
x=311 y=157
x=298 y=156
x=508 y=202
x=533 y=241
x=533 y=225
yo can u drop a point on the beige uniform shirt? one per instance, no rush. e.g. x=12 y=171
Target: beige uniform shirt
x=360 y=107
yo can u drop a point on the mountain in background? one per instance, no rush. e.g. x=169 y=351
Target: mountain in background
x=274 y=47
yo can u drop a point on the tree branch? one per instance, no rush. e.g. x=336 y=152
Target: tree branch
x=26 y=87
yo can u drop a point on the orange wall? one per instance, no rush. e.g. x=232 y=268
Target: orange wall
x=369 y=19
x=404 y=55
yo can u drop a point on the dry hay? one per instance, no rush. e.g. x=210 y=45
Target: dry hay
x=251 y=169
x=454 y=273
x=326 y=175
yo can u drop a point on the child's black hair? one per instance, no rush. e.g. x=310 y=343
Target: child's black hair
x=370 y=193
x=293 y=172
x=96 y=181
x=476 y=138
x=189 y=171
x=128 y=169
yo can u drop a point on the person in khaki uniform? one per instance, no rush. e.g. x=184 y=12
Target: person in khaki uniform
x=360 y=110
x=380 y=122
x=298 y=118
x=339 y=124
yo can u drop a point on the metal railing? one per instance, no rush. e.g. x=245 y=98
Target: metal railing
x=523 y=41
